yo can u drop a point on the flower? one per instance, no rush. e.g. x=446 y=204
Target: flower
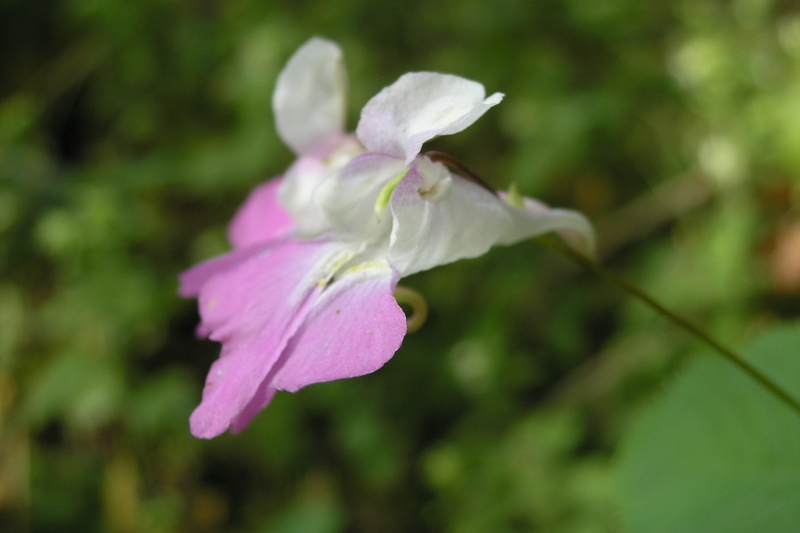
x=306 y=294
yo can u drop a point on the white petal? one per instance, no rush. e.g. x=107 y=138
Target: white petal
x=310 y=98
x=418 y=107
x=305 y=178
x=296 y=194
x=465 y=222
x=572 y=226
x=347 y=199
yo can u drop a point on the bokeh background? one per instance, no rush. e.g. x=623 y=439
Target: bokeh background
x=131 y=131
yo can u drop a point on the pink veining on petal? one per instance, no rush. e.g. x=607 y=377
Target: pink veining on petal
x=353 y=329
x=253 y=309
x=261 y=218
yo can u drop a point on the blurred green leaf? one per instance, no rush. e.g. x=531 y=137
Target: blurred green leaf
x=718 y=453
x=154 y=405
x=86 y=391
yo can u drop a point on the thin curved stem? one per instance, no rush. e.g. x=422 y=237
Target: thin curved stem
x=636 y=292
x=419 y=307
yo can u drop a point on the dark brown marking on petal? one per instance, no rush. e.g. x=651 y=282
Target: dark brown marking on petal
x=461 y=168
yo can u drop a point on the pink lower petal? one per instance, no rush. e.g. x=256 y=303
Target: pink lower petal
x=353 y=328
x=253 y=309
x=262 y=399
x=192 y=280
x=261 y=218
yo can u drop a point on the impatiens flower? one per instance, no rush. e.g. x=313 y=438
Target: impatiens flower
x=306 y=294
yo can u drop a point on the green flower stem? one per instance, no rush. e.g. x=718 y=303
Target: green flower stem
x=636 y=292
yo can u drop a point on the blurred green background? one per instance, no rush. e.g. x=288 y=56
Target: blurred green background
x=131 y=131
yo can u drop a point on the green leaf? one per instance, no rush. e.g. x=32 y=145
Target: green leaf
x=718 y=453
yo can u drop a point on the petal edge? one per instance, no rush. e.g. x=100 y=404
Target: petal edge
x=418 y=107
x=310 y=98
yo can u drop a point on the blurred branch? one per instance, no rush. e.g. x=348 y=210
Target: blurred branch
x=666 y=202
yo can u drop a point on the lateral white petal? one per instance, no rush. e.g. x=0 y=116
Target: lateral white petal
x=310 y=98
x=416 y=108
x=466 y=222
x=536 y=219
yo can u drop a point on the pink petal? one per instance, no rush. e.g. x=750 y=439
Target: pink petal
x=253 y=309
x=352 y=329
x=192 y=280
x=261 y=399
x=261 y=218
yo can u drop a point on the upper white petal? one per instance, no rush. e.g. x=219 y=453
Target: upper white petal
x=416 y=108
x=310 y=98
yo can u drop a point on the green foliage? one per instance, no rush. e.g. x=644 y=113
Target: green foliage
x=718 y=453
x=131 y=131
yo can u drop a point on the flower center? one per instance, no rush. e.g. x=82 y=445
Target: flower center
x=386 y=193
